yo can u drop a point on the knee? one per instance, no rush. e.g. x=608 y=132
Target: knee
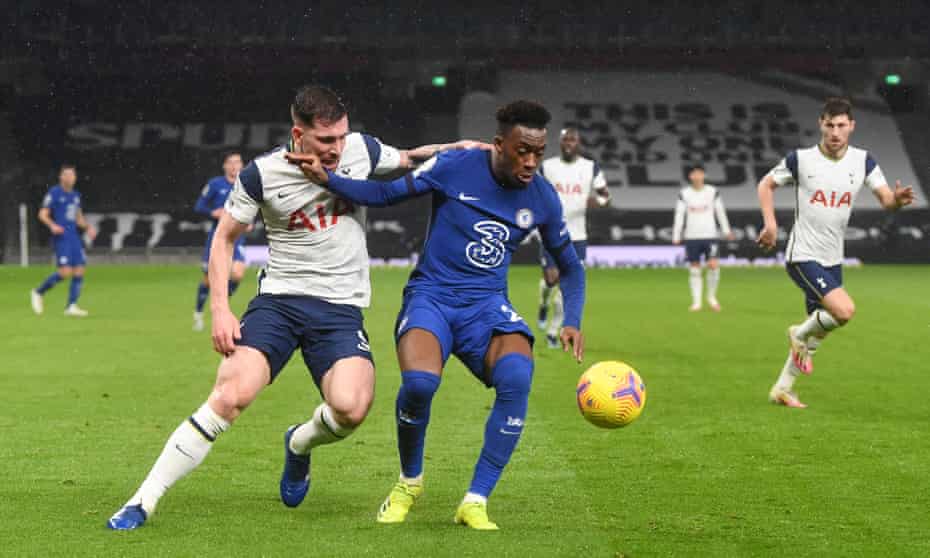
x=230 y=395
x=64 y=273
x=350 y=411
x=551 y=276
x=844 y=313
x=513 y=374
x=237 y=275
x=418 y=388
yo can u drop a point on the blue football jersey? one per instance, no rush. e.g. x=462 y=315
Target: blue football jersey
x=213 y=196
x=64 y=207
x=476 y=224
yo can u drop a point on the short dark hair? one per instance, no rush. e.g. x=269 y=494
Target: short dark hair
x=228 y=154
x=315 y=102
x=66 y=166
x=836 y=106
x=522 y=113
x=696 y=166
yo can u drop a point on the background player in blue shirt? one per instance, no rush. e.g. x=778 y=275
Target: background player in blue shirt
x=484 y=204
x=211 y=202
x=61 y=213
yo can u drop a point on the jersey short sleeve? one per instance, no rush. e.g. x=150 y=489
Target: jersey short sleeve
x=874 y=178
x=786 y=171
x=47 y=200
x=245 y=200
x=598 y=181
x=384 y=158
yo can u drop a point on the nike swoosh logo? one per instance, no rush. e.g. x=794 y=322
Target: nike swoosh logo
x=283 y=195
x=509 y=433
x=466 y=197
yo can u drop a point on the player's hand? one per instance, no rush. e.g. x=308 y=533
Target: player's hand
x=731 y=237
x=217 y=213
x=767 y=238
x=903 y=196
x=56 y=229
x=470 y=144
x=91 y=232
x=572 y=338
x=676 y=242
x=225 y=332
x=310 y=165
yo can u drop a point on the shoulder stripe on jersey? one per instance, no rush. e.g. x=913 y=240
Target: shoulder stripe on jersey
x=252 y=182
x=374 y=150
x=791 y=161
x=597 y=169
x=870 y=164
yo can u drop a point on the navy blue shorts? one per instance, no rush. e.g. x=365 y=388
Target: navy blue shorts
x=815 y=280
x=694 y=249
x=464 y=327
x=69 y=250
x=238 y=252
x=546 y=259
x=277 y=324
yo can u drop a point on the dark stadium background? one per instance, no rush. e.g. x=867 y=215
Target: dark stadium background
x=144 y=97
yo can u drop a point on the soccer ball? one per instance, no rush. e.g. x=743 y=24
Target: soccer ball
x=611 y=394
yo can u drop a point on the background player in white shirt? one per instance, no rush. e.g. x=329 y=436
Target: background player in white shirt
x=826 y=178
x=310 y=296
x=580 y=184
x=698 y=211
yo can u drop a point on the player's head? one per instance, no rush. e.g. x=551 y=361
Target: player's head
x=321 y=124
x=232 y=164
x=836 y=124
x=696 y=176
x=520 y=143
x=569 y=143
x=67 y=175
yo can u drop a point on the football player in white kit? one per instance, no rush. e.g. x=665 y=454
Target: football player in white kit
x=826 y=178
x=580 y=183
x=698 y=211
x=310 y=297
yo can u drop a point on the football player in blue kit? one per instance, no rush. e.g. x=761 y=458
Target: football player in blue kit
x=484 y=203
x=61 y=213
x=210 y=203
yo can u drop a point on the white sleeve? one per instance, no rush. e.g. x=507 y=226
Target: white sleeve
x=386 y=158
x=874 y=177
x=47 y=200
x=786 y=171
x=680 y=207
x=721 y=215
x=240 y=205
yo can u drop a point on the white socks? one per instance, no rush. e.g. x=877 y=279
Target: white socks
x=186 y=449
x=697 y=285
x=789 y=373
x=319 y=430
x=713 y=279
x=818 y=324
x=558 y=313
x=472 y=498
x=544 y=291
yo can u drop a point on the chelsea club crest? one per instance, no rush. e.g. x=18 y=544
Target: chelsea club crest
x=524 y=218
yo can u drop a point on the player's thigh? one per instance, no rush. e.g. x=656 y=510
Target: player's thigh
x=420 y=349
x=505 y=344
x=65 y=271
x=349 y=387
x=239 y=379
x=551 y=275
x=693 y=251
x=78 y=271
x=839 y=304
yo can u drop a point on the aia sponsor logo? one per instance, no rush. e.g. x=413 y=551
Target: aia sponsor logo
x=568 y=188
x=831 y=199
x=318 y=218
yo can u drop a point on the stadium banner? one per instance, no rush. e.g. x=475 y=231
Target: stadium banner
x=395 y=235
x=647 y=129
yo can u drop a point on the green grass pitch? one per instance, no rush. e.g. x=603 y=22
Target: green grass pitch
x=710 y=469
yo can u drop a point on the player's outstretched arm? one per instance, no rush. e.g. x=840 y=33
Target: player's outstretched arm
x=412 y=157
x=769 y=235
x=225 y=325
x=372 y=193
x=893 y=200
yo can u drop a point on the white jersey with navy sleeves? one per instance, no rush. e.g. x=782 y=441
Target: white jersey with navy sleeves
x=825 y=189
x=574 y=181
x=316 y=240
x=698 y=212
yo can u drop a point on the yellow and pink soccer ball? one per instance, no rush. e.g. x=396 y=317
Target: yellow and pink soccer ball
x=611 y=394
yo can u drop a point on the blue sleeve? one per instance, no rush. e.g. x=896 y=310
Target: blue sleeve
x=554 y=234
x=202 y=206
x=374 y=193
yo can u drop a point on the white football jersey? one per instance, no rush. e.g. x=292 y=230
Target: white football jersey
x=574 y=182
x=697 y=214
x=824 y=193
x=316 y=240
